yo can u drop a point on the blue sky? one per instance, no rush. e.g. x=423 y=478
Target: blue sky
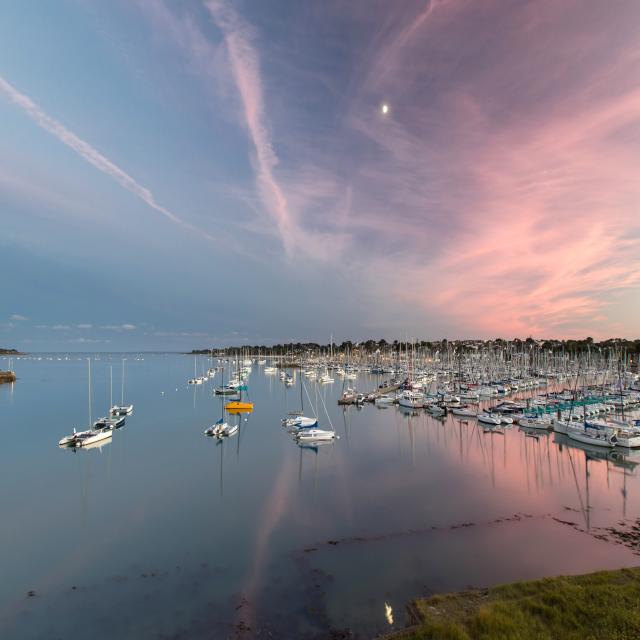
x=180 y=174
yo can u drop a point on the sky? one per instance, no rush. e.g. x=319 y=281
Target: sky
x=180 y=174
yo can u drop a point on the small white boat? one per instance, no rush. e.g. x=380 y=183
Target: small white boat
x=436 y=410
x=93 y=436
x=118 y=410
x=326 y=379
x=300 y=422
x=463 y=412
x=487 y=418
x=306 y=435
x=534 y=422
x=70 y=440
x=628 y=434
x=225 y=390
x=221 y=429
x=411 y=399
x=113 y=422
x=386 y=399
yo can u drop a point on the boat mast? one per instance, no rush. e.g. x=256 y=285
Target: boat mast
x=89 y=373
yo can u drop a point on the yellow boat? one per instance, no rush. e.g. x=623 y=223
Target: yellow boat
x=238 y=405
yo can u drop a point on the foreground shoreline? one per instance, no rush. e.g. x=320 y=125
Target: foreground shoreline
x=603 y=604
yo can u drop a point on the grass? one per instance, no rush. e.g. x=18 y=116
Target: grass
x=589 y=607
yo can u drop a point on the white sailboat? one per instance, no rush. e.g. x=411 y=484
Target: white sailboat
x=595 y=435
x=92 y=435
x=122 y=409
x=195 y=379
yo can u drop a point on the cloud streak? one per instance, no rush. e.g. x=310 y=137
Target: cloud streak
x=245 y=68
x=91 y=155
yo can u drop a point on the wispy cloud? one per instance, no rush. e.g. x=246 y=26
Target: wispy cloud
x=118 y=327
x=91 y=155
x=84 y=326
x=245 y=67
x=18 y=317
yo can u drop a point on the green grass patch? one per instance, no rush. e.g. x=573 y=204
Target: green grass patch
x=589 y=607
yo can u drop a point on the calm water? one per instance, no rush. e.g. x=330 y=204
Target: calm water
x=162 y=533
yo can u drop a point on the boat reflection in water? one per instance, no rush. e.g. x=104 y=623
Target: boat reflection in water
x=627 y=460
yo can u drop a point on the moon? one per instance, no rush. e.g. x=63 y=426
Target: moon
x=385 y=109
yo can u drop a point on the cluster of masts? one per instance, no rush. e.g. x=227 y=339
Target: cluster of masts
x=100 y=431
x=591 y=411
x=233 y=390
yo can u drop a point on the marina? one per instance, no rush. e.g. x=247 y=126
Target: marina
x=301 y=517
x=362 y=359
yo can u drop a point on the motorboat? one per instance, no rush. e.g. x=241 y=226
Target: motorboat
x=535 y=422
x=348 y=396
x=113 y=422
x=239 y=405
x=436 y=410
x=306 y=435
x=411 y=399
x=93 y=436
x=300 y=422
x=69 y=441
x=118 y=410
x=465 y=412
x=221 y=429
x=225 y=390
x=487 y=418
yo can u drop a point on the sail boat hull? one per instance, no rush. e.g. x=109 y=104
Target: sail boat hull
x=237 y=405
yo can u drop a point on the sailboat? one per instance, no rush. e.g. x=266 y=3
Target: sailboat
x=313 y=433
x=121 y=409
x=297 y=419
x=92 y=435
x=195 y=379
x=114 y=420
x=221 y=428
x=225 y=389
x=239 y=405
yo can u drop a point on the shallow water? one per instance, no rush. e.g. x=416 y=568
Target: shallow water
x=162 y=533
